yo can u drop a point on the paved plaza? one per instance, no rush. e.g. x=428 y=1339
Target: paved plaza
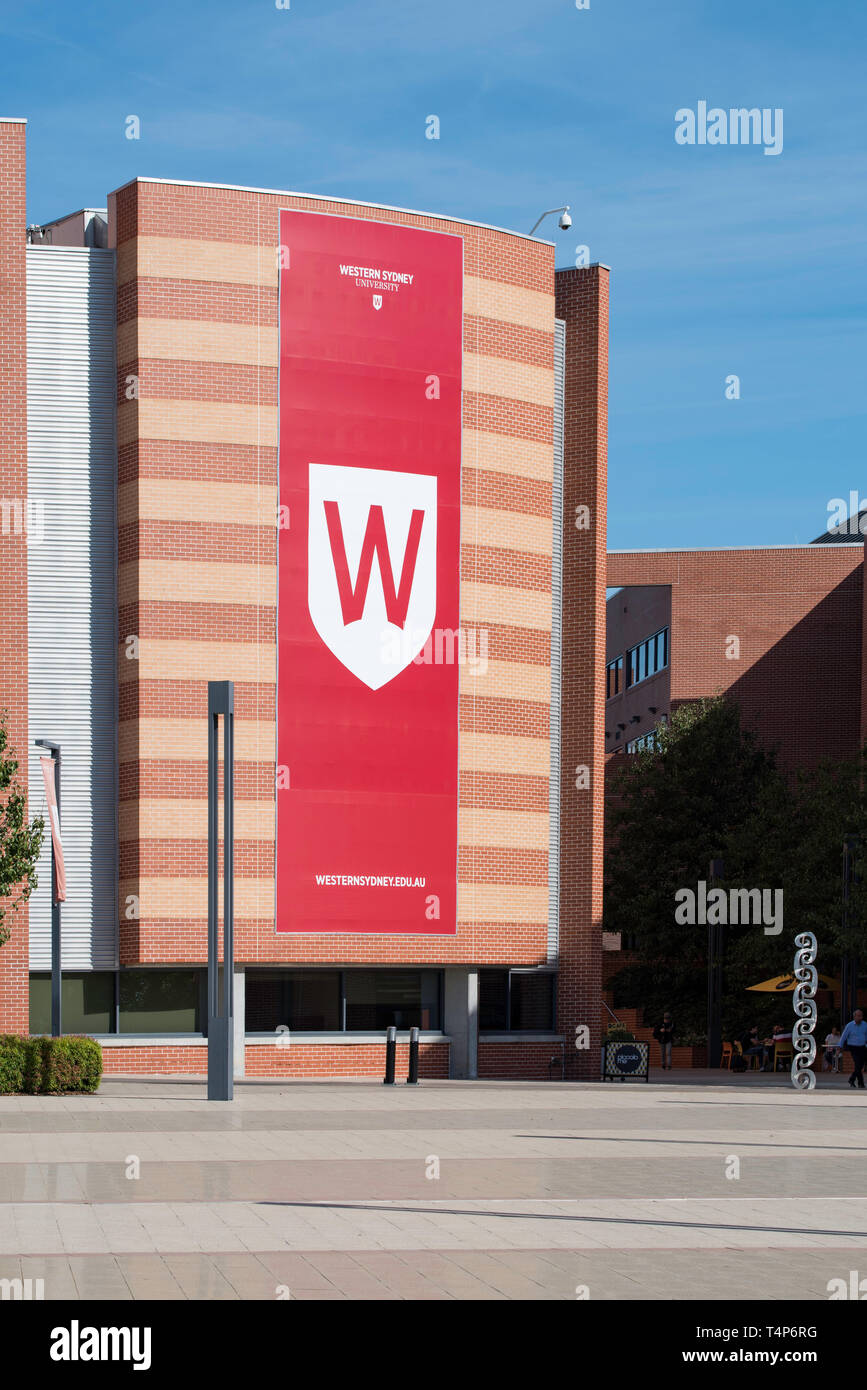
x=449 y=1190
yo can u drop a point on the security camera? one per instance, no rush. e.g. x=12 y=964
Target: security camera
x=565 y=221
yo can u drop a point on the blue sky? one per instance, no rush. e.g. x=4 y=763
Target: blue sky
x=724 y=260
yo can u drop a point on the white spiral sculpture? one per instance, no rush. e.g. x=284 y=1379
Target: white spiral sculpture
x=804 y=1004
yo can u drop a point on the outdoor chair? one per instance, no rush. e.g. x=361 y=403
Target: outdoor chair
x=753 y=1061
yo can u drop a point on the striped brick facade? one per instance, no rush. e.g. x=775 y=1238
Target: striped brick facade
x=197 y=425
x=14 y=992
x=197 y=469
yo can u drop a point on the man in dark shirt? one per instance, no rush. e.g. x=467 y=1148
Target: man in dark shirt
x=664 y=1034
x=752 y=1043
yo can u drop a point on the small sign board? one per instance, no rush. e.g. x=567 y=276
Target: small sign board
x=630 y=1061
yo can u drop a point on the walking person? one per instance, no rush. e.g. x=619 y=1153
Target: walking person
x=664 y=1034
x=854 y=1037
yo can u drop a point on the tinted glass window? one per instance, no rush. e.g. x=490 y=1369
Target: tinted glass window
x=378 y=999
x=86 y=1002
x=532 y=1002
x=302 y=1000
x=493 y=1000
x=160 y=1001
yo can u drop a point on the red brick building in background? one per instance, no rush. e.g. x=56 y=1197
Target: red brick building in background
x=170 y=299
x=780 y=629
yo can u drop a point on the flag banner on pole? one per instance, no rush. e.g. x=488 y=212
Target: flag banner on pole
x=48 y=775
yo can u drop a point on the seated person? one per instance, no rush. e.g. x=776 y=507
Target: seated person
x=831 y=1055
x=778 y=1036
x=752 y=1043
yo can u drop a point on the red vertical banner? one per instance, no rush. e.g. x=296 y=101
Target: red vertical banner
x=368 y=576
x=48 y=777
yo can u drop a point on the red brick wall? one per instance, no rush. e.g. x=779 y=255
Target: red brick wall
x=317 y=1059
x=798 y=614
x=582 y=300
x=527 y=1061
x=13 y=548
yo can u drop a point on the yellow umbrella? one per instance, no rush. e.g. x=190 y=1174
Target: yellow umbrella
x=784 y=984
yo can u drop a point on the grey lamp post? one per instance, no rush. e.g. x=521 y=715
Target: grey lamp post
x=715 y=948
x=56 y=970
x=221 y=1023
x=849 y=962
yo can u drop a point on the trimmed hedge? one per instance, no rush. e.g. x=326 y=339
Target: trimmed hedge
x=13 y=1063
x=48 y=1066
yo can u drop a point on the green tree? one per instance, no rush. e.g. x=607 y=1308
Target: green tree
x=20 y=840
x=673 y=809
x=710 y=791
x=795 y=840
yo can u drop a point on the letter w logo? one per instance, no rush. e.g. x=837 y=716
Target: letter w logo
x=356 y=516
x=375 y=542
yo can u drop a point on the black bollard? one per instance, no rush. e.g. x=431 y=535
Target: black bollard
x=412 y=1077
x=390 y=1050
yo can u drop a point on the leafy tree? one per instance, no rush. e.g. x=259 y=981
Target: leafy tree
x=709 y=792
x=20 y=840
x=673 y=809
x=795 y=840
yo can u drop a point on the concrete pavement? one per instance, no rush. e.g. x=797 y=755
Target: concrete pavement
x=450 y=1190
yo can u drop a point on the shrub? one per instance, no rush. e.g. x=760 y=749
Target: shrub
x=617 y=1034
x=39 y=1066
x=13 y=1063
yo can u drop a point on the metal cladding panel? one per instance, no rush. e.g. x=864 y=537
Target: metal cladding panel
x=71 y=582
x=556 y=643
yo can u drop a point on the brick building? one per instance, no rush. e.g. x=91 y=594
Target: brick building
x=780 y=629
x=150 y=368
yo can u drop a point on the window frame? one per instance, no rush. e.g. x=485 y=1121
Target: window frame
x=342 y=998
x=617 y=667
x=534 y=970
x=638 y=658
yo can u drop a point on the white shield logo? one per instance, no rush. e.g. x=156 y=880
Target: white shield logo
x=377 y=301
x=371 y=566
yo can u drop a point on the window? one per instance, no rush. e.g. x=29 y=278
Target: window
x=305 y=1000
x=160 y=1001
x=379 y=999
x=647 y=658
x=86 y=1002
x=531 y=1006
x=493 y=1001
x=334 y=1001
x=145 y=1001
x=614 y=678
x=516 y=1001
x=647 y=740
